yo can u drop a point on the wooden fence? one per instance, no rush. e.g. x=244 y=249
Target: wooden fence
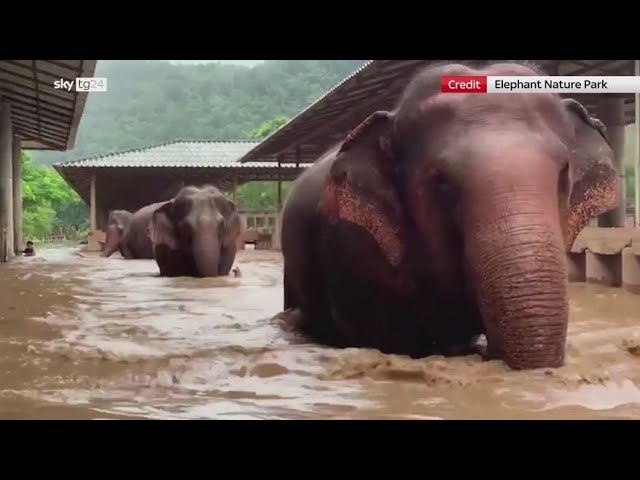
x=261 y=228
x=54 y=239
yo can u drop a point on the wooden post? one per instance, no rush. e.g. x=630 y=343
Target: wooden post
x=17 y=196
x=636 y=171
x=94 y=217
x=235 y=187
x=298 y=155
x=611 y=113
x=6 y=183
x=279 y=186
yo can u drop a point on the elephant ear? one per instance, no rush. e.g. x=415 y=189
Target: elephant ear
x=232 y=222
x=161 y=228
x=593 y=175
x=360 y=188
x=120 y=219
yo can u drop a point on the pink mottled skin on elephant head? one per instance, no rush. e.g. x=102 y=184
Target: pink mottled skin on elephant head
x=360 y=195
x=495 y=187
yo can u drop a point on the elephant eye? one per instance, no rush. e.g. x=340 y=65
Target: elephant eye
x=443 y=186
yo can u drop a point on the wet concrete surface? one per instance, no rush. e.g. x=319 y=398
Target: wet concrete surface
x=83 y=337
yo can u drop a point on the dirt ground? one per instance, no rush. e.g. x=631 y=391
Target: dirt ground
x=87 y=337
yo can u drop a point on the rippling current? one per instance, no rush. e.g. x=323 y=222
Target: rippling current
x=82 y=337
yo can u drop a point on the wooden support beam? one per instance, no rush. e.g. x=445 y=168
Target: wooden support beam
x=279 y=185
x=19 y=110
x=52 y=94
x=33 y=137
x=611 y=113
x=54 y=108
x=17 y=195
x=64 y=65
x=49 y=135
x=6 y=183
x=51 y=70
x=35 y=81
x=92 y=206
x=636 y=170
x=235 y=187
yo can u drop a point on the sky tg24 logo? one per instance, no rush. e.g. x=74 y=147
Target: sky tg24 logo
x=82 y=84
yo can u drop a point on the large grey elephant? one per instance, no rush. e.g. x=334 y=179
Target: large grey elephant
x=127 y=232
x=447 y=218
x=195 y=234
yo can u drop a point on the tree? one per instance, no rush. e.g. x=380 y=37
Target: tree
x=263 y=195
x=268 y=127
x=44 y=196
x=157 y=101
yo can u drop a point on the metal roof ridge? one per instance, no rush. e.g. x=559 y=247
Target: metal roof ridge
x=70 y=163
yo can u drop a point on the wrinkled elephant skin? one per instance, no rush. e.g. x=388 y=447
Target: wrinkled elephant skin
x=447 y=218
x=195 y=233
x=127 y=233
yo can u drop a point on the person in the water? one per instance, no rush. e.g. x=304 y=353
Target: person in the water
x=29 y=251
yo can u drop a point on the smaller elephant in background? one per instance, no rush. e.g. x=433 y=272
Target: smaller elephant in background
x=127 y=232
x=195 y=234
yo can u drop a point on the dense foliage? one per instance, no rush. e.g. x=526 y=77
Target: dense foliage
x=49 y=204
x=263 y=195
x=150 y=102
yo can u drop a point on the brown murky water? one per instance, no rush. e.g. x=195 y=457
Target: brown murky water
x=86 y=337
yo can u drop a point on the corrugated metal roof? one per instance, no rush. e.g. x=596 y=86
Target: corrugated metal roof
x=142 y=175
x=376 y=86
x=179 y=153
x=44 y=117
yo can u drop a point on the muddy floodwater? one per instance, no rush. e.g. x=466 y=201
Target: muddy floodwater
x=82 y=337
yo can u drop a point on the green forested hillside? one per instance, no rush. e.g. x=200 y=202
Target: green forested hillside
x=151 y=102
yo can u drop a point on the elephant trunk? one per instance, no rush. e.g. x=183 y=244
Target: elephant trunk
x=516 y=263
x=112 y=241
x=206 y=251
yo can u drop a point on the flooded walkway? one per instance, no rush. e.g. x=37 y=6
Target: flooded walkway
x=87 y=337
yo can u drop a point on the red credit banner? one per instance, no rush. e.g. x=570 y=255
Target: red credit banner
x=539 y=84
x=462 y=84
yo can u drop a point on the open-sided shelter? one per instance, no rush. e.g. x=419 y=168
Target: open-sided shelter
x=34 y=115
x=378 y=84
x=134 y=178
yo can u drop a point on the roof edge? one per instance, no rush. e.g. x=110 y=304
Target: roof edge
x=148 y=147
x=88 y=70
x=329 y=92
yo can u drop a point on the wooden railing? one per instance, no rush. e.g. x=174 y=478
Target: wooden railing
x=261 y=228
x=54 y=239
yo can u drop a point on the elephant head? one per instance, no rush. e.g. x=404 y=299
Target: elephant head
x=119 y=221
x=493 y=188
x=195 y=233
